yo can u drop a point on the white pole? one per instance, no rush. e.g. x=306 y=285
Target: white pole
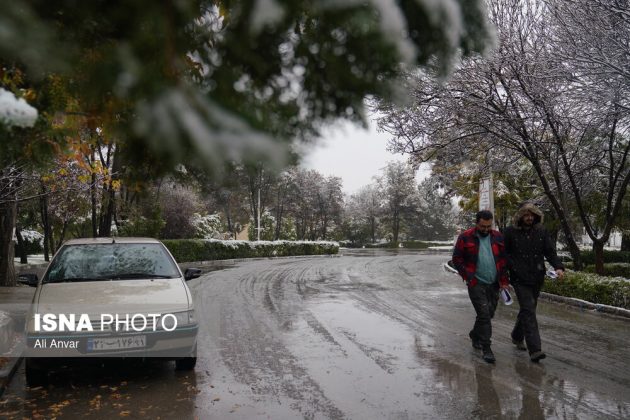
x=486 y=195
x=258 y=229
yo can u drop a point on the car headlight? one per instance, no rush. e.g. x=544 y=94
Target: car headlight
x=185 y=318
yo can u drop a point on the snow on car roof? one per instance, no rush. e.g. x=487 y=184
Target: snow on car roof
x=92 y=241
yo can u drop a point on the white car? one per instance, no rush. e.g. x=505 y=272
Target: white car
x=110 y=297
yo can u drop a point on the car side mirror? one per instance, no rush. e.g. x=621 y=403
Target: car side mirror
x=191 y=273
x=28 y=279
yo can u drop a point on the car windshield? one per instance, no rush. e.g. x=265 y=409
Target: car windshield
x=115 y=261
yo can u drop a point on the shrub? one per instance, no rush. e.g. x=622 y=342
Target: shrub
x=33 y=241
x=612 y=270
x=588 y=257
x=186 y=250
x=420 y=244
x=208 y=226
x=592 y=288
x=144 y=226
x=383 y=245
x=267 y=222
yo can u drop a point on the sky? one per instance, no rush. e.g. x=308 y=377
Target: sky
x=353 y=154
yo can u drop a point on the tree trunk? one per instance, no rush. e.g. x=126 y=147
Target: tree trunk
x=93 y=202
x=373 y=229
x=229 y=225
x=21 y=246
x=574 y=250
x=598 y=249
x=8 y=211
x=553 y=235
x=107 y=214
x=279 y=215
x=43 y=209
x=395 y=226
x=625 y=242
x=108 y=211
x=62 y=235
x=51 y=236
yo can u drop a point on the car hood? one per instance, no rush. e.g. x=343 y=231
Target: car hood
x=130 y=296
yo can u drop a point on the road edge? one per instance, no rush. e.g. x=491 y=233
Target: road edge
x=7 y=374
x=583 y=304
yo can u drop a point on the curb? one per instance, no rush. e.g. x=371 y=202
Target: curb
x=6 y=374
x=583 y=304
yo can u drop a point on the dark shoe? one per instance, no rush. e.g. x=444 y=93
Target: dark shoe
x=488 y=356
x=475 y=343
x=520 y=344
x=537 y=356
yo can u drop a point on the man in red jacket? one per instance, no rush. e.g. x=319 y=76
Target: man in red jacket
x=479 y=257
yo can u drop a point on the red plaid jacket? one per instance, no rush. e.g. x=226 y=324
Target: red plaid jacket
x=467 y=249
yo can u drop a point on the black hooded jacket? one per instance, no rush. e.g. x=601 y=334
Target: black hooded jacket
x=527 y=249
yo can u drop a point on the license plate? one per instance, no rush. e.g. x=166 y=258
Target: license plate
x=116 y=343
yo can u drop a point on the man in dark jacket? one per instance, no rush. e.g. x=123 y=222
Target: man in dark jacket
x=527 y=244
x=479 y=257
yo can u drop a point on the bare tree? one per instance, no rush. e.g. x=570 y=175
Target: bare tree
x=366 y=205
x=284 y=193
x=11 y=178
x=307 y=187
x=398 y=185
x=522 y=101
x=329 y=202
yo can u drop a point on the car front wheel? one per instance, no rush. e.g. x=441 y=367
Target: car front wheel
x=187 y=363
x=35 y=375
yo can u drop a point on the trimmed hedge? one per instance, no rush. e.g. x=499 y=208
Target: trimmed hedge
x=612 y=270
x=388 y=245
x=187 y=250
x=32 y=248
x=405 y=244
x=588 y=257
x=592 y=288
x=420 y=244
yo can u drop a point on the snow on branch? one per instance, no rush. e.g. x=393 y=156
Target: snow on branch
x=15 y=112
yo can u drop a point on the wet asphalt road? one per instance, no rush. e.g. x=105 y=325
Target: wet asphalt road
x=369 y=335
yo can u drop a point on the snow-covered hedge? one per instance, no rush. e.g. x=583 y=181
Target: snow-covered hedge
x=15 y=112
x=186 y=250
x=612 y=270
x=588 y=257
x=613 y=291
x=404 y=244
x=33 y=241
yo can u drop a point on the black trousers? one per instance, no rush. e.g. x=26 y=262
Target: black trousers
x=484 y=298
x=526 y=323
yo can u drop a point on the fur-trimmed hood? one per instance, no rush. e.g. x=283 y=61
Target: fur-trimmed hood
x=525 y=207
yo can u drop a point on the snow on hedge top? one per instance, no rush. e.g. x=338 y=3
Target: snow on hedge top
x=15 y=112
x=254 y=244
x=596 y=278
